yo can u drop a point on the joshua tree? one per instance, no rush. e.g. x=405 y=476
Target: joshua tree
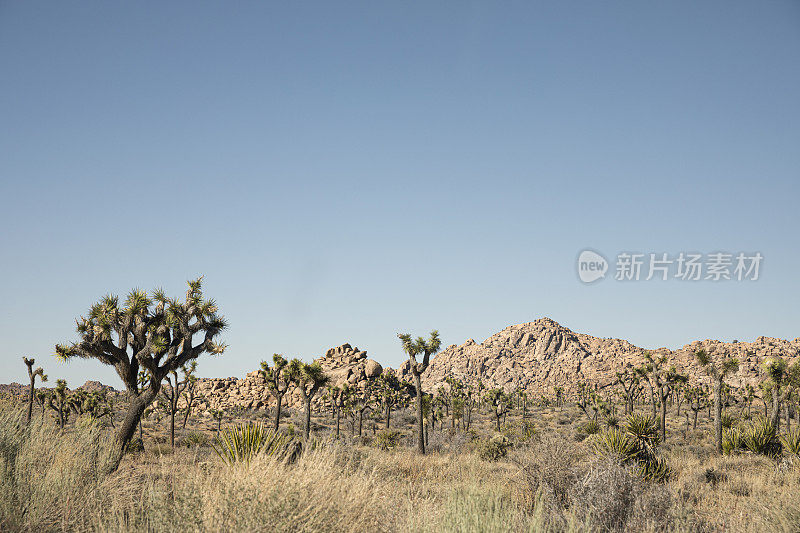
x=173 y=393
x=278 y=382
x=717 y=370
x=154 y=333
x=361 y=401
x=59 y=402
x=412 y=348
x=32 y=375
x=42 y=396
x=308 y=378
x=339 y=396
x=389 y=390
x=777 y=371
x=499 y=402
x=665 y=381
x=218 y=414
x=190 y=392
x=628 y=379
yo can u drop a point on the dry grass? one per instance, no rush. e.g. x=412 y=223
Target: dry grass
x=51 y=481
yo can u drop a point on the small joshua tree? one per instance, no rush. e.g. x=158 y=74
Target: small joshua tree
x=309 y=379
x=59 y=402
x=154 y=333
x=173 y=393
x=717 y=370
x=278 y=381
x=665 y=381
x=500 y=403
x=412 y=348
x=32 y=390
x=339 y=396
x=390 y=391
x=776 y=370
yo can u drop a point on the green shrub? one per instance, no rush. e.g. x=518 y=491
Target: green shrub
x=387 y=439
x=242 y=443
x=732 y=441
x=636 y=443
x=759 y=437
x=791 y=441
x=195 y=439
x=495 y=448
x=591 y=427
x=727 y=421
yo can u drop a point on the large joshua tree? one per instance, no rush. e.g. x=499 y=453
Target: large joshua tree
x=154 y=333
x=278 y=381
x=32 y=390
x=426 y=348
x=309 y=379
x=717 y=370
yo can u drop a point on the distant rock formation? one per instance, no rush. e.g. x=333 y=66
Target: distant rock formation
x=541 y=355
x=343 y=364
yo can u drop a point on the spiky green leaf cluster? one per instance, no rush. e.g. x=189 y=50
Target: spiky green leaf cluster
x=242 y=443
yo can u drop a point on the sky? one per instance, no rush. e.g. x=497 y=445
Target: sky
x=342 y=173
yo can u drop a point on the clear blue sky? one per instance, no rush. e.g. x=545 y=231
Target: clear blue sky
x=340 y=173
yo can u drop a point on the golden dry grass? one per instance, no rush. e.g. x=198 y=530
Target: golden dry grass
x=52 y=481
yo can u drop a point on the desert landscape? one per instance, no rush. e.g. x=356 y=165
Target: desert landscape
x=537 y=428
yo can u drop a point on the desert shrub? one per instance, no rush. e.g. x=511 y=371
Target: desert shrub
x=495 y=448
x=195 y=438
x=591 y=427
x=727 y=421
x=612 y=497
x=791 y=441
x=759 y=437
x=548 y=470
x=387 y=439
x=242 y=443
x=635 y=444
x=445 y=441
x=731 y=441
x=612 y=421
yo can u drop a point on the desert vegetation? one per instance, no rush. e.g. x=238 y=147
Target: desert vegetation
x=658 y=450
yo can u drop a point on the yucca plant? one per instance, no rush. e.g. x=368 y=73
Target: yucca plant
x=591 y=427
x=727 y=421
x=240 y=444
x=791 y=441
x=732 y=440
x=635 y=443
x=760 y=437
x=615 y=442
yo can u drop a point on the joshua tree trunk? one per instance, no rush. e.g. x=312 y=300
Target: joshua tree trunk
x=360 y=421
x=337 y=421
x=776 y=410
x=388 y=413
x=132 y=418
x=307 y=428
x=663 y=421
x=420 y=428
x=276 y=425
x=718 y=413
x=30 y=398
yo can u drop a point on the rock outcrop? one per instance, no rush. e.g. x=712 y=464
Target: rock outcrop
x=343 y=364
x=541 y=355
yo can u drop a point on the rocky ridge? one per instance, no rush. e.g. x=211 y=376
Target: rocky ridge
x=540 y=355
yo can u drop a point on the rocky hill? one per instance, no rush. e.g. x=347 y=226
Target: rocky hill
x=541 y=355
x=344 y=364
